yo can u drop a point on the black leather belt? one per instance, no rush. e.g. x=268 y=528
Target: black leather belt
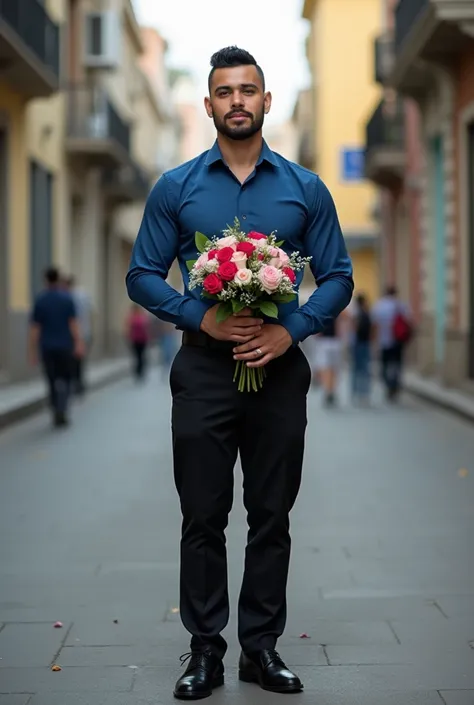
x=200 y=339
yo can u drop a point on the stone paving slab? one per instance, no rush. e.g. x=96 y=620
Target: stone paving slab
x=457 y=697
x=69 y=680
x=340 y=632
x=30 y=645
x=15 y=699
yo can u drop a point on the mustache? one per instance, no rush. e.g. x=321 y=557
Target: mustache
x=238 y=112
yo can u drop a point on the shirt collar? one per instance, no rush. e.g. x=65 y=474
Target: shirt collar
x=266 y=155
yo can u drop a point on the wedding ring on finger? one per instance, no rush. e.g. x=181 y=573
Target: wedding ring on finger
x=258 y=352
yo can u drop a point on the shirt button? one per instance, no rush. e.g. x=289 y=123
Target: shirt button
x=244 y=217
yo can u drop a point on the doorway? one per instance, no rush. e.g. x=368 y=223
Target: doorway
x=439 y=283
x=41 y=225
x=470 y=182
x=3 y=248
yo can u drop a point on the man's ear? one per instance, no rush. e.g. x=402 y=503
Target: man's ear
x=267 y=102
x=208 y=107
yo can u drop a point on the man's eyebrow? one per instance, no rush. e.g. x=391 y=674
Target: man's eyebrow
x=242 y=85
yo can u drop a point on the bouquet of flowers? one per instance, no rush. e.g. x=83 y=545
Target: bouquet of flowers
x=245 y=271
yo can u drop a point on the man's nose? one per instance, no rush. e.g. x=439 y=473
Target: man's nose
x=237 y=100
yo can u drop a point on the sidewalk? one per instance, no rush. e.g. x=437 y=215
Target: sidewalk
x=17 y=401
x=433 y=391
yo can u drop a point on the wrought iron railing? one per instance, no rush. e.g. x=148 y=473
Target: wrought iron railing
x=32 y=23
x=91 y=115
x=386 y=126
x=383 y=57
x=407 y=13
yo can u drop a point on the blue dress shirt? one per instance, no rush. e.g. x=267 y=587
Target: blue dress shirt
x=204 y=195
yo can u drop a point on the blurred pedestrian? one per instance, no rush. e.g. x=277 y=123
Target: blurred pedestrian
x=329 y=360
x=54 y=336
x=138 y=335
x=84 y=311
x=360 y=349
x=394 y=330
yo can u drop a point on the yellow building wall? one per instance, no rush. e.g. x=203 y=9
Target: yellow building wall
x=12 y=107
x=366 y=273
x=341 y=58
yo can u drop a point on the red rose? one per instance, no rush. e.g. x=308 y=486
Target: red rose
x=256 y=236
x=212 y=284
x=227 y=271
x=290 y=273
x=212 y=254
x=225 y=255
x=261 y=257
x=246 y=247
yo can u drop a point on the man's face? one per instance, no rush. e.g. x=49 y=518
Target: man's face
x=237 y=102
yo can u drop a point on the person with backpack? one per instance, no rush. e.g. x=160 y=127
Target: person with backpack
x=138 y=335
x=394 y=328
x=362 y=330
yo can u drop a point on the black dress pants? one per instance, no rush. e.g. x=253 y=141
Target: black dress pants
x=211 y=423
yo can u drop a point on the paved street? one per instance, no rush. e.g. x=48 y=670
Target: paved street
x=382 y=578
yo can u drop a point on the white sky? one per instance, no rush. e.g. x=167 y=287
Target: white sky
x=272 y=30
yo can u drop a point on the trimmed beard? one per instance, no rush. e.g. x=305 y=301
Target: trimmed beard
x=240 y=133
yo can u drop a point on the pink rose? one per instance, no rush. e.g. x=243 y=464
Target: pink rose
x=212 y=284
x=240 y=260
x=284 y=259
x=201 y=261
x=224 y=255
x=273 y=251
x=227 y=271
x=229 y=241
x=270 y=278
x=243 y=276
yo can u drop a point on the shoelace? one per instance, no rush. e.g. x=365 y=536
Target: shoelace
x=273 y=657
x=197 y=659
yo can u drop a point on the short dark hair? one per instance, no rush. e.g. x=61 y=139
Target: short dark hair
x=52 y=275
x=233 y=56
x=391 y=290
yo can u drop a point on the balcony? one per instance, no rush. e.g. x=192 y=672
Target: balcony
x=126 y=184
x=383 y=57
x=95 y=131
x=29 y=48
x=428 y=31
x=385 y=148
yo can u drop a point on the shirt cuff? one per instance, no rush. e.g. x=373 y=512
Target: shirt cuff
x=192 y=315
x=297 y=326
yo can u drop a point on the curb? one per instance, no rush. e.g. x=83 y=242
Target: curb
x=97 y=380
x=449 y=399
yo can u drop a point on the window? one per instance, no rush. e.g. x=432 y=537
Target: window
x=102 y=39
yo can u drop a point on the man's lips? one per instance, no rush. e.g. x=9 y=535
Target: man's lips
x=238 y=115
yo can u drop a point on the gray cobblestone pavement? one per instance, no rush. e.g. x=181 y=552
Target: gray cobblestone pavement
x=382 y=579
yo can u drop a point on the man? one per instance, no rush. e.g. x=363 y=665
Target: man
x=391 y=318
x=83 y=304
x=54 y=333
x=211 y=420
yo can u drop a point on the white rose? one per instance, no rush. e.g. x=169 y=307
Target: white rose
x=211 y=266
x=243 y=277
x=260 y=244
x=239 y=259
x=229 y=241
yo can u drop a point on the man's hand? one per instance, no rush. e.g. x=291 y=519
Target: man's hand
x=79 y=349
x=273 y=341
x=239 y=328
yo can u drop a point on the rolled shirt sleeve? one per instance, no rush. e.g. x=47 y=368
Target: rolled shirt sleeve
x=154 y=251
x=331 y=267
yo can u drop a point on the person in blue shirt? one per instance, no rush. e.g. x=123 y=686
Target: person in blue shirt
x=55 y=338
x=211 y=420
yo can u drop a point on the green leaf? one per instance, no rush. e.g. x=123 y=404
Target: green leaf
x=237 y=306
x=207 y=295
x=283 y=298
x=280 y=243
x=223 y=312
x=268 y=308
x=190 y=264
x=201 y=241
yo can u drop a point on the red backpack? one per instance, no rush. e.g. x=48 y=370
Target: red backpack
x=402 y=330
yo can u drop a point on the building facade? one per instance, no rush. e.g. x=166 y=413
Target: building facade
x=84 y=133
x=342 y=93
x=432 y=70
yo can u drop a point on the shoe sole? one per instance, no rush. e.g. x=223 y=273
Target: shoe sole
x=253 y=678
x=217 y=683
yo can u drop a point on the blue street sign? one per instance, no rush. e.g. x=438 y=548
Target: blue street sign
x=352 y=164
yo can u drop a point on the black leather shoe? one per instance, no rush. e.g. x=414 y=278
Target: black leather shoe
x=267 y=668
x=205 y=672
